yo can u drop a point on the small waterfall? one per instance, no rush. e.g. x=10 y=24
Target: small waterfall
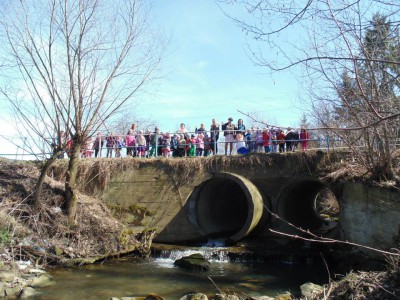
x=167 y=254
x=210 y=253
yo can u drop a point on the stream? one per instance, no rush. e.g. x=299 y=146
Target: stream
x=128 y=277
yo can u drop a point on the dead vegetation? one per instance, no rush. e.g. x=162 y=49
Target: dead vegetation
x=95 y=174
x=327 y=205
x=364 y=285
x=349 y=168
x=45 y=236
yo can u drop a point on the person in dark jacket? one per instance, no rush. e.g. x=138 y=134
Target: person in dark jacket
x=214 y=136
x=289 y=140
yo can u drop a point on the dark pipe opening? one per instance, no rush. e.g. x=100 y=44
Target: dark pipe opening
x=228 y=207
x=300 y=201
x=222 y=208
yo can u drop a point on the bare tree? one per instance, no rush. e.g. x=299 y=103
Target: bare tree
x=348 y=56
x=124 y=122
x=71 y=65
x=249 y=122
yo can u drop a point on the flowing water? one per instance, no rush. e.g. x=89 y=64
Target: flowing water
x=129 y=277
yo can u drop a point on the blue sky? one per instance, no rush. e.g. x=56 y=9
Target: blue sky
x=209 y=73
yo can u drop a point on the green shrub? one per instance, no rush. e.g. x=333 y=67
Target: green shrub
x=5 y=237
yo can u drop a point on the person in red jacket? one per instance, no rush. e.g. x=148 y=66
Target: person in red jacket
x=281 y=140
x=266 y=141
x=304 y=137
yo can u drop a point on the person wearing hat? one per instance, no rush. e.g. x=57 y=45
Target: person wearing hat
x=229 y=133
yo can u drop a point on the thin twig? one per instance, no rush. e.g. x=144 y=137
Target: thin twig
x=221 y=292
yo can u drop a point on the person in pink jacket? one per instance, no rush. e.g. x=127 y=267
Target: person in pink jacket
x=200 y=144
x=130 y=142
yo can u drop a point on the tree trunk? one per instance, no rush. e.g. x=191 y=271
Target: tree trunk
x=70 y=185
x=39 y=184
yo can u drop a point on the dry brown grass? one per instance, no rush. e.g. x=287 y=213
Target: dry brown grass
x=98 y=233
x=363 y=285
x=95 y=174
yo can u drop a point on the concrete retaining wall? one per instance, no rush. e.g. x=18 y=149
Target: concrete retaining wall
x=370 y=215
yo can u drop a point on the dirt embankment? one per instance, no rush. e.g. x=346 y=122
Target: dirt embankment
x=44 y=237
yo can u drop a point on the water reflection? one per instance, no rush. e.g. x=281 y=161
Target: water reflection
x=128 y=277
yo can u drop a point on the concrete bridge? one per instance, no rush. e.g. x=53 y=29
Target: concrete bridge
x=236 y=198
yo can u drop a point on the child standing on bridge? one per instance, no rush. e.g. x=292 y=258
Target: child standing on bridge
x=192 y=146
x=141 y=141
x=166 y=145
x=181 y=146
x=200 y=144
x=240 y=144
x=119 y=144
x=110 y=144
x=266 y=141
x=98 y=144
x=130 y=141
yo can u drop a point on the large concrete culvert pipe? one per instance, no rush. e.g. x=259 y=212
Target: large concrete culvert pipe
x=228 y=207
x=298 y=203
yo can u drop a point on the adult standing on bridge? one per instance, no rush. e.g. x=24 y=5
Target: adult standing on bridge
x=241 y=128
x=289 y=140
x=281 y=141
x=304 y=137
x=182 y=130
x=133 y=128
x=202 y=129
x=214 y=136
x=229 y=132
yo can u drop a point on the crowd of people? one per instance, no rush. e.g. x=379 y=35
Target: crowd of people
x=201 y=142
